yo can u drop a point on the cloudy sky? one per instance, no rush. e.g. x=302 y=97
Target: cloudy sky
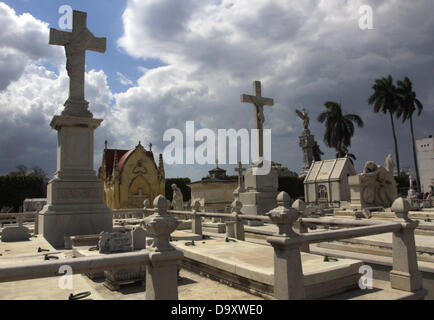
x=168 y=62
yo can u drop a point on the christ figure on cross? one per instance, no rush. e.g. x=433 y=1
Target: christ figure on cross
x=259 y=102
x=240 y=171
x=76 y=43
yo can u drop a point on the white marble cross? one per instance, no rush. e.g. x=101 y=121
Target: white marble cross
x=259 y=103
x=76 y=43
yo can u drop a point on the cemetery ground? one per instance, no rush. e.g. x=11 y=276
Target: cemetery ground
x=217 y=269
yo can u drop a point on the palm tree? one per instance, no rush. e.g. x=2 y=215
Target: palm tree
x=407 y=104
x=385 y=99
x=344 y=153
x=339 y=127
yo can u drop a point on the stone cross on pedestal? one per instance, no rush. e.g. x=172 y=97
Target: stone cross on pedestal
x=75 y=196
x=259 y=103
x=240 y=171
x=76 y=43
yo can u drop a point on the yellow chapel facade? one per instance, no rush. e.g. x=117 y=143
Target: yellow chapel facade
x=131 y=177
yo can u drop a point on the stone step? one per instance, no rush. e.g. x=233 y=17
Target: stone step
x=370 y=245
x=381 y=290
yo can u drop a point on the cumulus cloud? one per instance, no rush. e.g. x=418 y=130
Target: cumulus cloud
x=123 y=79
x=27 y=107
x=304 y=52
x=23 y=40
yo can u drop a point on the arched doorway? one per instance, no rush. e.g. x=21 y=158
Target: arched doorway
x=138 y=191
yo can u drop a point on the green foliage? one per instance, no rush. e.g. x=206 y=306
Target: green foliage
x=385 y=99
x=339 y=127
x=292 y=185
x=182 y=184
x=15 y=189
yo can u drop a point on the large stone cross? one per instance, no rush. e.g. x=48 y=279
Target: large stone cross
x=76 y=43
x=240 y=171
x=259 y=103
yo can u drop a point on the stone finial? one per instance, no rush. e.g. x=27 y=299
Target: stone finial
x=196 y=205
x=283 y=215
x=160 y=225
x=401 y=207
x=146 y=204
x=300 y=206
x=236 y=206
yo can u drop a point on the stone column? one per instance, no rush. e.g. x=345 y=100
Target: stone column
x=239 y=224
x=306 y=142
x=162 y=272
x=405 y=274
x=196 y=223
x=299 y=226
x=75 y=196
x=288 y=271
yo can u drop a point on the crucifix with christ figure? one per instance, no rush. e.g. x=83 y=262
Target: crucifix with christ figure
x=259 y=102
x=76 y=43
x=240 y=171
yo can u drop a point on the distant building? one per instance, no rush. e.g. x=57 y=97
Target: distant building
x=425 y=160
x=130 y=177
x=214 y=192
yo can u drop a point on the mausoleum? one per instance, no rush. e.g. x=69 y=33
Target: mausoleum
x=327 y=182
x=215 y=192
x=131 y=177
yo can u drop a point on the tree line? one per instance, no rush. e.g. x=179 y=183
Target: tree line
x=397 y=101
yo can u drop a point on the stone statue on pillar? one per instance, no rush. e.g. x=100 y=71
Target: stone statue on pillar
x=311 y=151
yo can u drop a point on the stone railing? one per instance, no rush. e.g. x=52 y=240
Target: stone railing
x=128 y=213
x=161 y=259
x=292 y=237
x=17 y=217
x=287 y=243
x=234 y=221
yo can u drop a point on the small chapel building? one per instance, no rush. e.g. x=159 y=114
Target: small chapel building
x=214 y=192
x=326 y=182
x=131 y=177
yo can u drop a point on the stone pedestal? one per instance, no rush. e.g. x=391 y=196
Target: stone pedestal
x=306 y=142
x=260 y=195
x=355 y=183
x=75 y=196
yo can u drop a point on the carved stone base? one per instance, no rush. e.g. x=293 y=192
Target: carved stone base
x=260 y=196
x=75 y=197
x=58 y=221
x=114 y=279
x=77 y=108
